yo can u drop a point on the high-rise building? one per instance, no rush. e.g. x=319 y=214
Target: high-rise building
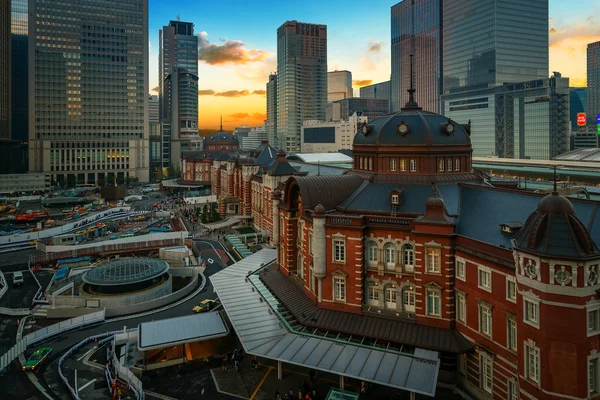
x=344 y=109
x=5 y=66
x=178 y=90
x=578 y=100
x=593 y=81
x=271 y=123
x=417 y=30
x=19 y=72
x=516 y=120
x=301 y=79
x=379 y=90
x=484 y=42
x=88 y=104
x=339 y=85
x=155 y=141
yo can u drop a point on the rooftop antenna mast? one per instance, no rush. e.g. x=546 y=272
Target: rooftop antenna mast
x=555 y=191
x=221 y=126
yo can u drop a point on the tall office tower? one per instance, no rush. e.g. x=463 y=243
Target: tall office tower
x=339 y=85
x=379 y=90
x=20 y=64
x=88 y=102
x=483 y=42
x=178 y=90
x=578 y=99
x=301 y=79
x=593 y=81
x=271 y=123
x=417 y=30
x=154 y=138
x=5 y=66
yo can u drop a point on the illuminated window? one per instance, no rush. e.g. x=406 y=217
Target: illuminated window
x=403 y=165
x=441 y=165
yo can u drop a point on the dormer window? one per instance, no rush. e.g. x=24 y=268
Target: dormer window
x=441 y=165
x=393 y=164
x=395 y=196
x=395 y=199
x=510 y=228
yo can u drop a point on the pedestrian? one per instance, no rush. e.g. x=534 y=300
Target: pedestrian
x=235 y=354
x=237 y=365
x=305 y=387
x=277 y=395
x=241 y=353
x=291 y=393
x=300 y=396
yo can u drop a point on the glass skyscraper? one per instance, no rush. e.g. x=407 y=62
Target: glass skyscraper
x=271 y=123
x=301 y=79
x=20 y=65
x=593 y=81
x=492 y=42
x=88 y=114
x=5 y=66
x=178 y=90
x=416 y=30
x=339 y=85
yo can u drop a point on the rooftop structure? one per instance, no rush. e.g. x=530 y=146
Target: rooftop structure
x=125 y=271
x=321 y=158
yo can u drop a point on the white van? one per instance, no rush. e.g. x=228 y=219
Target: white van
x=17 y=278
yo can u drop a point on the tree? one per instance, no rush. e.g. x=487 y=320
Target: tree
x=215 y=213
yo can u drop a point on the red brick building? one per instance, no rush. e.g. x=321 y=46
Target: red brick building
x=412 y=249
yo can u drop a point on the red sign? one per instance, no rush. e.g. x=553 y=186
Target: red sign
x=581 y=119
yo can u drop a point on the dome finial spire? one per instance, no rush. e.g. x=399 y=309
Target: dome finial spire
x=411 y=103
x=221 y=126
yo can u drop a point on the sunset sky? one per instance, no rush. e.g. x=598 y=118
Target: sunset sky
x=239 y=45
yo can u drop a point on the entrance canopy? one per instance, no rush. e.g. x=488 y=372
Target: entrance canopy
x=174 y=331
x=253 y=313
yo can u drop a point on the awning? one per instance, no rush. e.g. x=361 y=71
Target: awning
x=173 y=331
x=252 y=313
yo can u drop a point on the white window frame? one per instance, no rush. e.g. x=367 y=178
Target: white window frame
x=393 y=164
x=435 y=294
x=486 y=373
x=511 y=333
x=461 y=307
x=485 y=324
x=484 y=283
x=403 y=164
x=531 y=312
x=463 y=364
x=512 y=390
x=441 y=165
x=339 y=288
x=413 y=165
x=532 y=361
x=460 y=268
x=408 y=254
x=310 y=242
x=373 y=289
x=511 y=295
x=341 y=244
x=389 y=256
x=593 y=373
x=395 y=199
x=449 y=165
x=434 y=260
x=372 y=250
x=408 y=299
x=457 y=164
x=593 y=319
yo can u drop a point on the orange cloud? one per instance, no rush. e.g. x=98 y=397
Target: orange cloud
x=233 y=93
x=361 y=83
x=259 y=116
x=260 y=92
x=230 y=52
x=206 y=92
x=240 y=115
x=375 y=46
x=155 y=89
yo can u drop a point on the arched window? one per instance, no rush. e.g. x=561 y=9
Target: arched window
x=408 y=260
x=408 y=299
x=373 y=294
x=372 y=252
x=389 y=251
x=390 y=297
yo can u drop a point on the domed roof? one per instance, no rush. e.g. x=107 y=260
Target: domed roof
x=319 y=210
x=412 y=127
x=554 y=230
x=221 y=137
x=125 y=271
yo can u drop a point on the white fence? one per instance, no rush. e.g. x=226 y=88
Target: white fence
x=13 y=353
x=64 y=326
x=128 y=376
x=201 y=199
x=15 y=311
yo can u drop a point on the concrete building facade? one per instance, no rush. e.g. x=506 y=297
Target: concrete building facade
x=344 y=109
x=88 y=92
x=155 y=141
x=416 y=31
x=271 y=122
x=381 y=90
x=339 y=85
x=330 y=137
x=301 y=79
x=178 y=90
x=593 y=81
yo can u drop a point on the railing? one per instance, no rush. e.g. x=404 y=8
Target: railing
x=13 y=353
x=125 y=373
x=15 y=311
x=108 y=248
x=40 y=292
x=64 y=326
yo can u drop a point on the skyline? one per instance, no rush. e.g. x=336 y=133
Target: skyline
x=237 y=54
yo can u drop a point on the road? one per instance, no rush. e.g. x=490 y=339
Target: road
x=48 y=373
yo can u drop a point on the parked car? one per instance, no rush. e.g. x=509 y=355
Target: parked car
x=37 y=358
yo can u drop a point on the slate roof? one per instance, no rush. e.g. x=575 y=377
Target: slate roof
x=221 y=137
x=329 y=190
x=313 y=169
x=425 y=129
x=376 y=197
x=392 y=330
x=483 y=209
